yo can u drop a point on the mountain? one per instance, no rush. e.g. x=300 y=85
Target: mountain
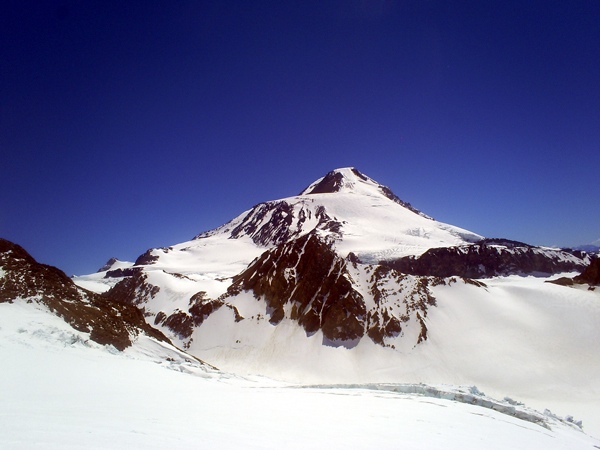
x=74 y=381
x=386 y=317
x=108 y=322
x=346 y=282
x=593 y=248
x=346 y=257
x=327 y=239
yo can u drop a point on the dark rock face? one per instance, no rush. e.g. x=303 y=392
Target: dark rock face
x=108 y=265
x=264 y=230
x=106 y=319
x=120 y=273
x=146 y=258
x=25 y=277
x=309 y=275
x=562 y=281
x=591 y=275
x=133 y=290
x=489 y=257
x=181 y=323
x=332 y=182
x=306 y=281
x=272 y=223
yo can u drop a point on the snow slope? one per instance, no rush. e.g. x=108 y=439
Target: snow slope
x=98 y=282
x=378 y=225
x=518 y=336
x=61 y=391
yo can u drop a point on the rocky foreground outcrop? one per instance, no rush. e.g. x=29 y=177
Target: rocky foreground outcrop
x=108 y=321
x=589 y=276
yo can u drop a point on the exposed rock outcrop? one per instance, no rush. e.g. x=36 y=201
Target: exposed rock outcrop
x=487 y=258
x=306 y=281
x=108 y=265
x=590 y=275
x=309 y=277
x=335 y=180
x=109 y=321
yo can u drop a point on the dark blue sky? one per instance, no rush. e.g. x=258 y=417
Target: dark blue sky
x=129 y=125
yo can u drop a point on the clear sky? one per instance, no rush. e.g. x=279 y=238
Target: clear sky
x=126 y=125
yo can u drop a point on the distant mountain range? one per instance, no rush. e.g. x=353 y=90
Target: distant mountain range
x=589 y=248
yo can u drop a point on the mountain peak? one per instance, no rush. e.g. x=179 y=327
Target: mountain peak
x=351 y=180
x=338 y=180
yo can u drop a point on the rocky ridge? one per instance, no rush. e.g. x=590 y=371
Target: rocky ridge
x=108 y=321
x=489 y=258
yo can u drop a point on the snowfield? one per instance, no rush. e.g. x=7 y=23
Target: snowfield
x=62 y=391
x=517 y=337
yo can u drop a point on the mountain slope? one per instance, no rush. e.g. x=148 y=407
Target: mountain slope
x=108 y=322
x=346 y=283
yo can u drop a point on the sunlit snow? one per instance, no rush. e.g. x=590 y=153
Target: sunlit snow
x=62 y=391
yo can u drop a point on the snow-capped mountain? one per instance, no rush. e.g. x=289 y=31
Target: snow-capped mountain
x=334 y=232
x=593 y=248
x=345 y=257
x=345 y=282
x=73 y=380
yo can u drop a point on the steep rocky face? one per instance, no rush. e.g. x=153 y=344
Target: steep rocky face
x=108 y=264
x=273 y=223
x=133 y=290
x=305 y=280
x=590 y=276
x=107 y=320
x=487 y=258
x=309 y=277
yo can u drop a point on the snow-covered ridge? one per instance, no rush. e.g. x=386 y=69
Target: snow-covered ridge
x=490 y=257
x=350 y=180
x=357 y=213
